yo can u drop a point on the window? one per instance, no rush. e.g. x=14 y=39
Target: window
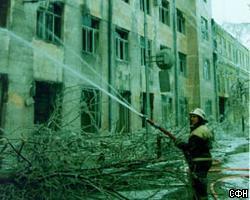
x=3 y=98
x=206 y=69
x=164 y=12
x=48 y=104
x=121 y=42
x=143 y=99
x=90 y=34
x=142 y=6
x=208 y=107
x=204 y=28
x=124 y=124
x=49 y=22
x=182 y=64
x=4 y=11
x=127 y=1
x=143 y=50
x=90 y=110
x=180 y=21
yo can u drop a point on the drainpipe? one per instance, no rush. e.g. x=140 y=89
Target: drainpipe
x=110 y=71
x=175 y=62
x=215 y=61
x=147 y=111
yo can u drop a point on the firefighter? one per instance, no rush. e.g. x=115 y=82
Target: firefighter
x=197 y=153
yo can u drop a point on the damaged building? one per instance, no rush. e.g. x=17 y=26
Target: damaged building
x=67 y=61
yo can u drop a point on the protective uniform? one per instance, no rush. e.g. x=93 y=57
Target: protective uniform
x=197 y=153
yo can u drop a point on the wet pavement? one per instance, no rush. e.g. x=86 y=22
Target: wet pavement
x=232 y=171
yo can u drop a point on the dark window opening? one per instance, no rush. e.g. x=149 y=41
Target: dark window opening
x=124 y=124
x=183 y=64
x=3 y=98
x=144 y=106
x=127 y=1
x=49 y=22
x=164 y=12
x=180 y=22
x=121 y=43
x=48 y=104
x=4 y=11
x=90 y=110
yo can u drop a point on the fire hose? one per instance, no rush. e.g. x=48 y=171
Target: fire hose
x=171 y=136
x=167 y=133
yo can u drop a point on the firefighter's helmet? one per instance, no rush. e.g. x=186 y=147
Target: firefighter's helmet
x=199 y=112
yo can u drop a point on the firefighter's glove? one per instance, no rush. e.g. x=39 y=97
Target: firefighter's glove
x=179 y=143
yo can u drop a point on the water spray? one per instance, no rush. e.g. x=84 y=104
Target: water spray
x=150 y=121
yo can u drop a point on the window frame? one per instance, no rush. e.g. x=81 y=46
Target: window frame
x=182 y=64
x=121 y=45
x=164 y=12
x=48 y=21
x=204 y=29
x=180 y=21
x=90 y=36
x=143 y=50
x=91 y=99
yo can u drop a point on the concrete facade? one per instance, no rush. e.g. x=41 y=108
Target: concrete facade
x=100 y=43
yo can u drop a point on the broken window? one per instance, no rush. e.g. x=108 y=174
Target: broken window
x=48 y=104
x=144 y=7
x=90 y=110
x=124 y=124
x=90 y=33
x=180 y=21
x=143 y=49
x=4 y=11
x=204 y=28
x=3 y=98
x=182 y=64
x=206 y=69
x=49 y=22
x=144 y=106
x=164 y=12
x=121 y=43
